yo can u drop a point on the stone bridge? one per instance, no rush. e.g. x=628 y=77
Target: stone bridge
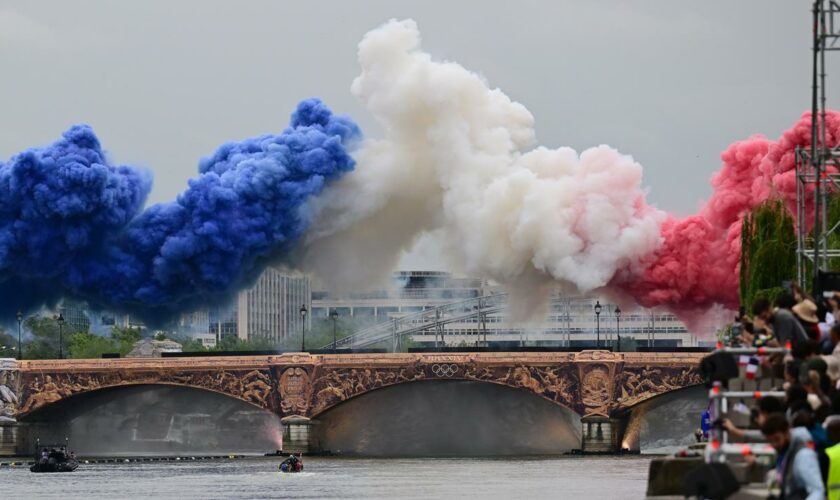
x=299 y=387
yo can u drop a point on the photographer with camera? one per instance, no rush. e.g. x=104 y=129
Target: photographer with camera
x=783 y=323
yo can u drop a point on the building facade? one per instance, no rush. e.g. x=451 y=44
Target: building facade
x=75 y=316
x=568 y=320
x=408 y=292
x=269 y=310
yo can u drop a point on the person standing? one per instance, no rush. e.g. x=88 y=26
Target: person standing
x=797 y=466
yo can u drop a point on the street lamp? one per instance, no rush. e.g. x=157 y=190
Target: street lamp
x=618 y=328
x=303 y=312
x=334 y=318
x=60 y=320
x=598 y=323
x=20 y=319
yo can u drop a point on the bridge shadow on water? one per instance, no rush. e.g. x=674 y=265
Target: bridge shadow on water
x=666 y=422
x=425 y=418
x=155 y=419
x=448 y=418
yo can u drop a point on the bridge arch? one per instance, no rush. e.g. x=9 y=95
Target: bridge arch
x=160 y=418
x=556 y=384
x=39 y=390
x=441 y=417
x=653 y=399
x=665 y=420
x=32 y=412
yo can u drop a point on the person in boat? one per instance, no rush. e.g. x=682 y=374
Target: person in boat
x=45 y=456
x=292 y=463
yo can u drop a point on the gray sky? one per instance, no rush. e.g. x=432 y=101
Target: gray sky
x=164 y=83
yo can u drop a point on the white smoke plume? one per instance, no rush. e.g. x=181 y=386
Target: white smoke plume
x=456 y=159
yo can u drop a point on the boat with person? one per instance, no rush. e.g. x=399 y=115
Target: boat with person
x=54 y=458
x=291 y=464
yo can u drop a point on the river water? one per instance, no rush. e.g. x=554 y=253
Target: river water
x=257 y=478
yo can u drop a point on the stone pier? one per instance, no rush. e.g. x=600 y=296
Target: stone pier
x=299 y=435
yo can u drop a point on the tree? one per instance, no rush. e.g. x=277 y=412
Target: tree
x=125 y=338
x=320 y=335
x=768 y=251
x=45 y=337
x=86 y=345
x=188 y=344
x=231 y=343
x=8 y=345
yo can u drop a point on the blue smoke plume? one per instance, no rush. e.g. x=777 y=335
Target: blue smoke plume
x=73 y=225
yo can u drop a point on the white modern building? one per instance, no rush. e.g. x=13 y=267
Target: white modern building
x=568 y=320
x=408 y=292
x=268 y=310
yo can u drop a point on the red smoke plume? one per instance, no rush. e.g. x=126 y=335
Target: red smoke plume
x=697 y=265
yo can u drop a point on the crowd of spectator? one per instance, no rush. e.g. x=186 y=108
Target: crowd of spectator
x=803 y=426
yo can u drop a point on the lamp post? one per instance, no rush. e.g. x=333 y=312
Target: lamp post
x=303 y=312
x=60 y=320
x=20 y=319
x=618 y=328
x=598 y=323
x=334 y=318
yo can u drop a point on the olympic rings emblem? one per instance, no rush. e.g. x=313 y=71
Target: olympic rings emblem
x=444 y=370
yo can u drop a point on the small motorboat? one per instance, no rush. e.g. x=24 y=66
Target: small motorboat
x=53 y=466
x=291 y=464
x=53 y=458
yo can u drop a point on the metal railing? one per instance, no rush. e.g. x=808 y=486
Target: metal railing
x=432 y=318
x=719 y=446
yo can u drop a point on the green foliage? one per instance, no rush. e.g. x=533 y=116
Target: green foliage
x=86 y=345
x=833 y=240
x=231 y=343
x=228 y=343
x=8 y=345
x=407 y=343
x=124 y=338
x=45 y=337
x=188 y=344
x=44 y=340
x=771 y=294
x=321 y=334
x=768 y=250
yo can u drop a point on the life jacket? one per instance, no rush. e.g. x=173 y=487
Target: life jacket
x=833 y=483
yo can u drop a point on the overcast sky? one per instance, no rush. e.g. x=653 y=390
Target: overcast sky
x=164 y=82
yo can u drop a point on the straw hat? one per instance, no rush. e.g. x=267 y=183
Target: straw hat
x=807 y=311
x=833 y=366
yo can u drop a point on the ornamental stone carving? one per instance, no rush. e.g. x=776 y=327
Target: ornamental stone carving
x=8 y=391
x=294 y=391
x=588 y=382
x=40 y=389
